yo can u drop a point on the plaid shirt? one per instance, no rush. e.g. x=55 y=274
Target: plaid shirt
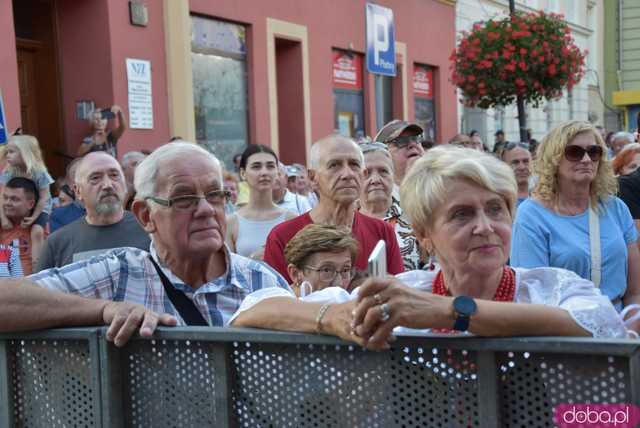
x=127 y=274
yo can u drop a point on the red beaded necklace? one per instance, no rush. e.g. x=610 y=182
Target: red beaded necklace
x=504 y=293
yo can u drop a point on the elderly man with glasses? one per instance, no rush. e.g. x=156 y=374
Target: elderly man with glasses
x=188 y=276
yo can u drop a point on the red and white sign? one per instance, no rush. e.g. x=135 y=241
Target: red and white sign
x=347 y=70
x=422 y=81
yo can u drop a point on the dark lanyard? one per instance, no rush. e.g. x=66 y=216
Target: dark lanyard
x=185 y=306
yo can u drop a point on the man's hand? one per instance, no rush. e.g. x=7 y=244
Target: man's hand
x=125 y=318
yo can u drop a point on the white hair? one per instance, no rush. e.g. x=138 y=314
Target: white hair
x=622 y=135
x=315 y=153
x=147 y=171
x=425 y=186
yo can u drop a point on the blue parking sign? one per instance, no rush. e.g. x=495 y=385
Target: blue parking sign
x=381 y=40
x=3 y=123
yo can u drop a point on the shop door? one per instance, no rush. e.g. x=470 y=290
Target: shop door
x=38 y=77
x=27 y=53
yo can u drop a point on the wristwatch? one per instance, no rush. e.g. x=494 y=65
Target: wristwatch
x=464 y=307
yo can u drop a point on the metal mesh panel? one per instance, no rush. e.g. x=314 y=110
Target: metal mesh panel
x=434 y=387
x=533 y=384
x=169 y=384
x=343 y=386
x=51 y=383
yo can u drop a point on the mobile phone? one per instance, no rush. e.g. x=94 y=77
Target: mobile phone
x=377 y=263
x=107 y=114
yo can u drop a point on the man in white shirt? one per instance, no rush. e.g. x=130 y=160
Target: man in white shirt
x=293 y=202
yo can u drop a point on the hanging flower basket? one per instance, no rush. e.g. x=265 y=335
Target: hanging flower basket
x=533 y=55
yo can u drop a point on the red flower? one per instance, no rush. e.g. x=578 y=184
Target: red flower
x=532 y=55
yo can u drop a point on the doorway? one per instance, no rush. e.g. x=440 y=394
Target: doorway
x=39 y=77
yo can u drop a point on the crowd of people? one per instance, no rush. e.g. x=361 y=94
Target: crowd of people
x=525 y=239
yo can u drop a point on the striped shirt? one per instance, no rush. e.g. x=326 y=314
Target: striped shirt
x=127 y=274
x=10 y=264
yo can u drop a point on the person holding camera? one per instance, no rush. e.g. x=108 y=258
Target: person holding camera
x=102 y=140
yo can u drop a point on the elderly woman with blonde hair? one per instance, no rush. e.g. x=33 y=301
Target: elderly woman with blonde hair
x=574 y=220
x=461 y=203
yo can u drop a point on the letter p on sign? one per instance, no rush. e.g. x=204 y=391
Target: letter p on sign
x=381 y=40
x=381 y=52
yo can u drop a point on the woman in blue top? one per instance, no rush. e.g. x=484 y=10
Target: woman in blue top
x=552 y=227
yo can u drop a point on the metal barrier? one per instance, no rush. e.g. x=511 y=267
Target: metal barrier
x=197 y=377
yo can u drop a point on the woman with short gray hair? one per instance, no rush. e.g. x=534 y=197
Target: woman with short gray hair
x=376 y=200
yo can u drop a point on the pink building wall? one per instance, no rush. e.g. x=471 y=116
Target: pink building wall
x=147 y=43
x=85 y=65
x=95 y=37
x=427 y=28
x=9 y=67
x=95 y=40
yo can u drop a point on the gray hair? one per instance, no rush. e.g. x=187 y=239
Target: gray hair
x=316 y=149
x=425 y=186
x=147 y=171
x=128 y=157
x=375 y=147
x=622 y=135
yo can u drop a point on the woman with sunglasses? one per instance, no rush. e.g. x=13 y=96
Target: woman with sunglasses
x=574 y=220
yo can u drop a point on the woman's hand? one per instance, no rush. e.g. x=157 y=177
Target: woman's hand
x=338 y=321
x=116 y=109
x=27 y=222
x=404 y=306
x=6 y=224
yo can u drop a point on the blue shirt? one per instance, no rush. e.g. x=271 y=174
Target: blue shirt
x=544 y=238
x=127 y=274
x=62 y=216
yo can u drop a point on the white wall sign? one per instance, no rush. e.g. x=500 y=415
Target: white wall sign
x=140 y=100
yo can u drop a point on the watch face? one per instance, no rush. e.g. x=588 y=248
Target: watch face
x=464 y=305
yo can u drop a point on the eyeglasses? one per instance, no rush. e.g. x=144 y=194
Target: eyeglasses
x=575 y=153
x=402 y=142
x=512 y=145
x=216 y=199
x=328 y=273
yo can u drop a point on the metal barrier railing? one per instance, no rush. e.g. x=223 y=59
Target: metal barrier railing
x=187 y=377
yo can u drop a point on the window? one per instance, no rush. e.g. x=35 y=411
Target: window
x=424 y=100
x=218 y=54
x=348 y=93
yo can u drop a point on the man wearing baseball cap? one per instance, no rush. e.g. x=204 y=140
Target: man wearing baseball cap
x=403 y=139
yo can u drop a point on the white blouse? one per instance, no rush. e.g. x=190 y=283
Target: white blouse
x=560 y=288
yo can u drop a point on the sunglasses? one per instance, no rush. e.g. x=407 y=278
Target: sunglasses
x=402 y=142
x=575 y=153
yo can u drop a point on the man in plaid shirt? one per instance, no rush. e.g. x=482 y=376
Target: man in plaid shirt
x=180 y=203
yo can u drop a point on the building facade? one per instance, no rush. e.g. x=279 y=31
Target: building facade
x=225 y=74
x=623 y=64
x=584 y=102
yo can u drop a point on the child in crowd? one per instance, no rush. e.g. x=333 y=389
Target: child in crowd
x=24 y=159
